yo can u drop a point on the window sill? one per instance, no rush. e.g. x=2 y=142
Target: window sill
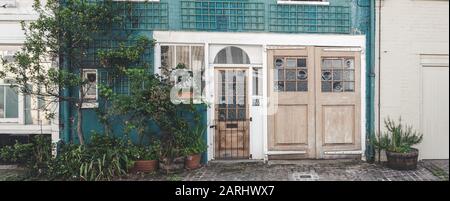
x=20 y=129
x=303 y=3
x=90 y=105
x=9 y=120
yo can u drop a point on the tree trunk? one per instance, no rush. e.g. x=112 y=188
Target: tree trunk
x=80 y=125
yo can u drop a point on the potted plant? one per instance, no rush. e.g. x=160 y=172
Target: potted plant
x=146 y=157
x=398 y=142
x=195 y=146
x=172 y=160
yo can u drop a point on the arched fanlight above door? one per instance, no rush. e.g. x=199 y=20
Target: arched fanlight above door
x=232 y=55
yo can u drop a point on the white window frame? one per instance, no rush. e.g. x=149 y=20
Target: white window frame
x=140 y=0
x=158 y=66
x=294 y=2
x=158 y=62
x=8 y=3
x=10 y=120
x=90 y=102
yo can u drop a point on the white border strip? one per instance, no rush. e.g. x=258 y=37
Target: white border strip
x=285 y=152
x=343 y=152
x=324 y=3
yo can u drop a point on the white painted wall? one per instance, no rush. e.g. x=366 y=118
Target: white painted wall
x=254 y=44
x=410 y=31
x=11 y=39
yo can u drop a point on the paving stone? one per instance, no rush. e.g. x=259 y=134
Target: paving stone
x=307 y=171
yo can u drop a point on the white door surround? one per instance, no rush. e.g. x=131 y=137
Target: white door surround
x=256 y=45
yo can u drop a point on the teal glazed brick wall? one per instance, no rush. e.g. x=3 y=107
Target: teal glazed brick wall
x=350 y=17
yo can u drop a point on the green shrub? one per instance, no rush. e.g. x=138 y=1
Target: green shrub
x=32 y=154
x=398 y=137
x=194 y=140
x=105 y=158
x=151 y=152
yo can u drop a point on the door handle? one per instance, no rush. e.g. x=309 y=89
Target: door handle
x=213 y=126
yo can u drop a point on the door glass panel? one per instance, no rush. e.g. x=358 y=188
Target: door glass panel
x=327 y=87
x=279 y=75
x=292 y=77
x=291 y=63
x=302 y=86
x=232 y=97
x=279 y=86
x=327 y=63
x=349 y=75
x=279 y=62
x=302 y=75
x=301 y=63
x=350 y=64
x=291 y=86
x=338 y=75
x=349 y=86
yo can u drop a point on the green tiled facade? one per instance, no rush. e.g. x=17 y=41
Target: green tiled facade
x=350 y=17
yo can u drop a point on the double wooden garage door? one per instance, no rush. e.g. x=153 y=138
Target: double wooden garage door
x=315 y=100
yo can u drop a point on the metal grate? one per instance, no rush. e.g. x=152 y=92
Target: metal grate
x=92 y=60
x=309 y=19
x=120 y=85
x=222 y=16
x=142 y=15
x=137 y=15
x=232 y=139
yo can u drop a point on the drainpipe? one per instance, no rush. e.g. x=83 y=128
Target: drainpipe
x=372 y=77
x=379 y=75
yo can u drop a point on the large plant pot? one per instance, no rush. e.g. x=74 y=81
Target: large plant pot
x=192 y=162
x=145 y=166
x=403 y=161
x=169 y=166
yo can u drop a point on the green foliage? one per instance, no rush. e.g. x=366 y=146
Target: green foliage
x=151 y=152
x=149 y=102
x=398 y=137
x=105 y=158
x=33 y=155
x=124 y=56
x=194 y=140
x=18 y=153
x=63 y=32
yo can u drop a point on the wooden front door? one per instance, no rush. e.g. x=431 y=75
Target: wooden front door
x=291 y=91
x=232 y=115
x=318 y=103
x=338 y=103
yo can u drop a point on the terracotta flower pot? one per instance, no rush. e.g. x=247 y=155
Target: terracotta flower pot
x=192 y=162
x=403 y=161
x=145 y=166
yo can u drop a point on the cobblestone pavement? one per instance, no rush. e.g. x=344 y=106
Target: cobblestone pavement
x=307 y=171
x=327 y=170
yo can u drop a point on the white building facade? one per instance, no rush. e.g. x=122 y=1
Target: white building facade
x=20 y=115
x=413 y=69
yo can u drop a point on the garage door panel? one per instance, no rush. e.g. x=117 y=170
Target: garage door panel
x=325 y=116
x=338 y=124
x=435 y=115
x=338 y=102
x=291 y=125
